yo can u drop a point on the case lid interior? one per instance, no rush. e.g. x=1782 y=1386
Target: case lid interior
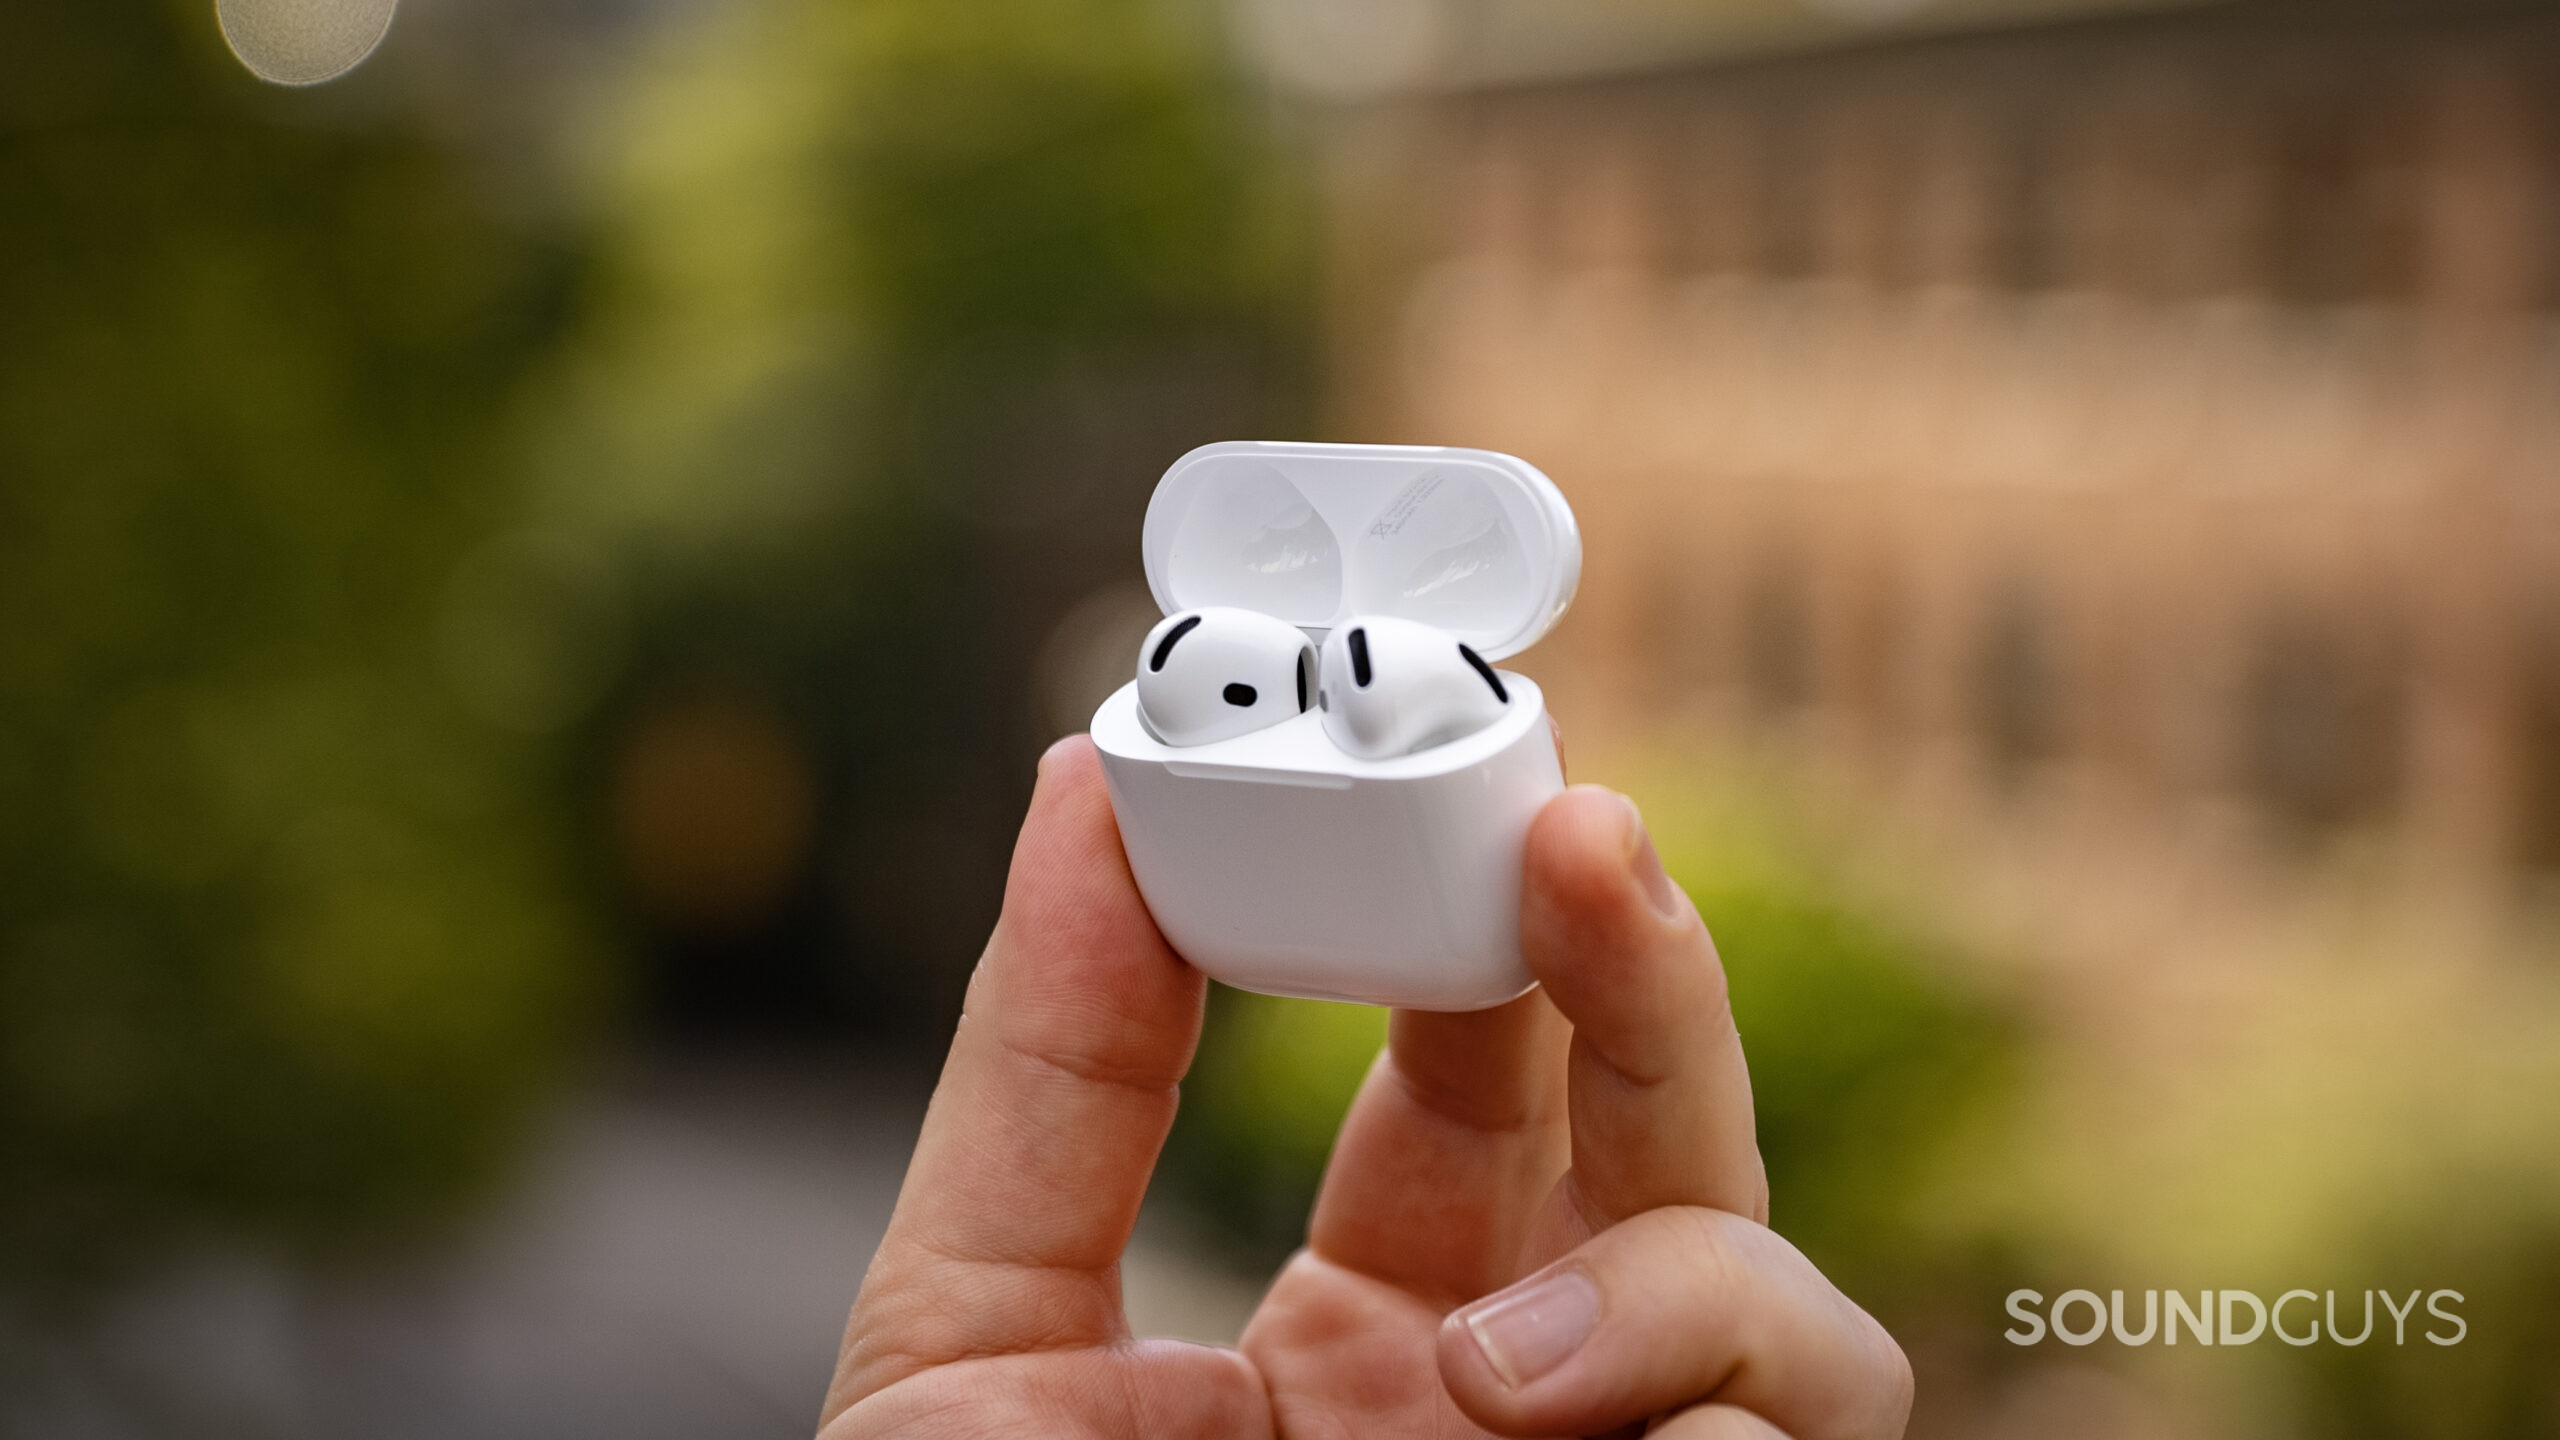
x=1477 y=543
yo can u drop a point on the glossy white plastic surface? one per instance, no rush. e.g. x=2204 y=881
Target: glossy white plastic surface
x=1477 y=543
x=1220 y=672
x=1393 y=687
x=1275 y=860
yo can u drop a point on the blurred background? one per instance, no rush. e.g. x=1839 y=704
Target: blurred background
x=533 y=575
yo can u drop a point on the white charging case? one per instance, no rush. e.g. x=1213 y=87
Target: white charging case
x=1275 y=861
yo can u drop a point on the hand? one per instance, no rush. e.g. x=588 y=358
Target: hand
x=1548 y=1218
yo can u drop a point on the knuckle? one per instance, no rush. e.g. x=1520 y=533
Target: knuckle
x=1710 y=1262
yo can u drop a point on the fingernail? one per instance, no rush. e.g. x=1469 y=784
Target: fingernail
x=1530 y=1329
x=1646 y=866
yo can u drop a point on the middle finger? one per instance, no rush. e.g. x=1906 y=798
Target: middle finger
x=1455 y=1139
x=1661 y=1099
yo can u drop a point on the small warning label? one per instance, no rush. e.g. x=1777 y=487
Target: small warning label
x=1400 y=509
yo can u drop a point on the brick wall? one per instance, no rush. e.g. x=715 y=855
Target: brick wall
x=2171 y=407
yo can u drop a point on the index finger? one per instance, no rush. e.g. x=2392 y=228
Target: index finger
x=1060 y=1086
x=1660 y=1099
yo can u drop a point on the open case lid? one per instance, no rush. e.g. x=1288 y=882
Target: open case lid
x=1477 y=543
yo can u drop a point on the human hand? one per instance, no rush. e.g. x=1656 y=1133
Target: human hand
x=1548 y=1218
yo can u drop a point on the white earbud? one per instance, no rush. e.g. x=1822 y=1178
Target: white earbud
x=1391 y=687
x=1218 y=672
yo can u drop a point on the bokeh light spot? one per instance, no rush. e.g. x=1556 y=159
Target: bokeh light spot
x=303 y=42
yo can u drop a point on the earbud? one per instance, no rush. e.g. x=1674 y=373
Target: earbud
x=1218 y=672
x=1391 y=687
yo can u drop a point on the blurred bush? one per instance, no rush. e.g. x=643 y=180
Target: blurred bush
x=1259 y=1110
x=1941 y=1129
x=2500 y=1383
x=381 y=547
x=1879 y=1058
x=1872 y=1062
x=377 y=547
x=1945 y=1122
x=899 y=311
x=285 y=938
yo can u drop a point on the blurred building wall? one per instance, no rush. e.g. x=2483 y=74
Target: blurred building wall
x=2163 y=411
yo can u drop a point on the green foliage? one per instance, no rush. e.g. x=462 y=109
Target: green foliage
x=852 y=255
x=1260 y=1108
x=1883 y=1068
x=1870 y=1065
x=318 y=479
x=2499 y=1382
x=282 y=941
x=899 y=309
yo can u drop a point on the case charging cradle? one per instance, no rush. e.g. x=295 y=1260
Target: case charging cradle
x=1276 y=862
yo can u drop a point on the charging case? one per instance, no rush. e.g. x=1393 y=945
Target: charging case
x=1276 y=862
